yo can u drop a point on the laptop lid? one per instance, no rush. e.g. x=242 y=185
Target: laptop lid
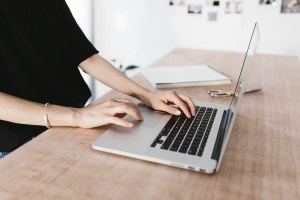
x=238 y=92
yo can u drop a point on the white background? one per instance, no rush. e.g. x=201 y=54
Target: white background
x=141 y=31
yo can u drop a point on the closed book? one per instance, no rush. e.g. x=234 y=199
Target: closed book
x=184 y=76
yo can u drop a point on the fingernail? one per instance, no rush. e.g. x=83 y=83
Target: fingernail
x=177 y=112
x=130 y=124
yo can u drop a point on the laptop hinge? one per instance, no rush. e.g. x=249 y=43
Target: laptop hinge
x=219 y=141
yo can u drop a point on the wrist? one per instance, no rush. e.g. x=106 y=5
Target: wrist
x=63 y=116
x=143 y=94
x=75 y=117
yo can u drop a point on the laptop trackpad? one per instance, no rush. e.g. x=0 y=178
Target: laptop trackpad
x=151 y=119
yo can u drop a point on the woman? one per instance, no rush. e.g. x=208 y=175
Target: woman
x=41 y=47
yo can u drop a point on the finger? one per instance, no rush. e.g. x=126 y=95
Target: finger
x=170 y=109
x=133 y=105
x=121 y=102
x=181 y=104
x=189 y=102
x=118 y=121
x=124 y=100
x=124 y=108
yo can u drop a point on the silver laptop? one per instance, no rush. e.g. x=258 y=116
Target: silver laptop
x=196 y=144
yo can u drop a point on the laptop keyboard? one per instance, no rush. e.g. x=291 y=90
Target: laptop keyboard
x=187 y=136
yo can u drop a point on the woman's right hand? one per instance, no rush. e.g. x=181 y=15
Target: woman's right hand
x=108 y=112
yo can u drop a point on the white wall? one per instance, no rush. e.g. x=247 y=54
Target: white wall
x=279 y=32
x=154 y=28
x=131 y=32
x=141 y=31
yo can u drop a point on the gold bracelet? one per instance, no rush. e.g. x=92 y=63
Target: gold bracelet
x=47 y=123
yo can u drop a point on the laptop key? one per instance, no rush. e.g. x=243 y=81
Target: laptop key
x=200 y=153
x=165 y=146
x=159 y=141
x=183 y=150
x=174 y=148
x=153 y=144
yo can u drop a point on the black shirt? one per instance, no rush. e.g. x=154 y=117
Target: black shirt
x=41 y=46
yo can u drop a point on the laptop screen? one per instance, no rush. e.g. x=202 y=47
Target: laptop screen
x=241 y=85
x=246 y=69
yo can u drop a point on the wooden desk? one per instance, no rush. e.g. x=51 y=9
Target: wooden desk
x=262 y=159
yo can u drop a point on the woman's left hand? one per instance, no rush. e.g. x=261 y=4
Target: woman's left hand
x=162 y=100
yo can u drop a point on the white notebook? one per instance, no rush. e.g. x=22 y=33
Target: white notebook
x=184 y=76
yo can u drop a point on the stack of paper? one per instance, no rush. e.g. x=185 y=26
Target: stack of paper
x=184 y=76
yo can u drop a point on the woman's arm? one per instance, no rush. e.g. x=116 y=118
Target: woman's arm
x=22 y=111
x=104 y=72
